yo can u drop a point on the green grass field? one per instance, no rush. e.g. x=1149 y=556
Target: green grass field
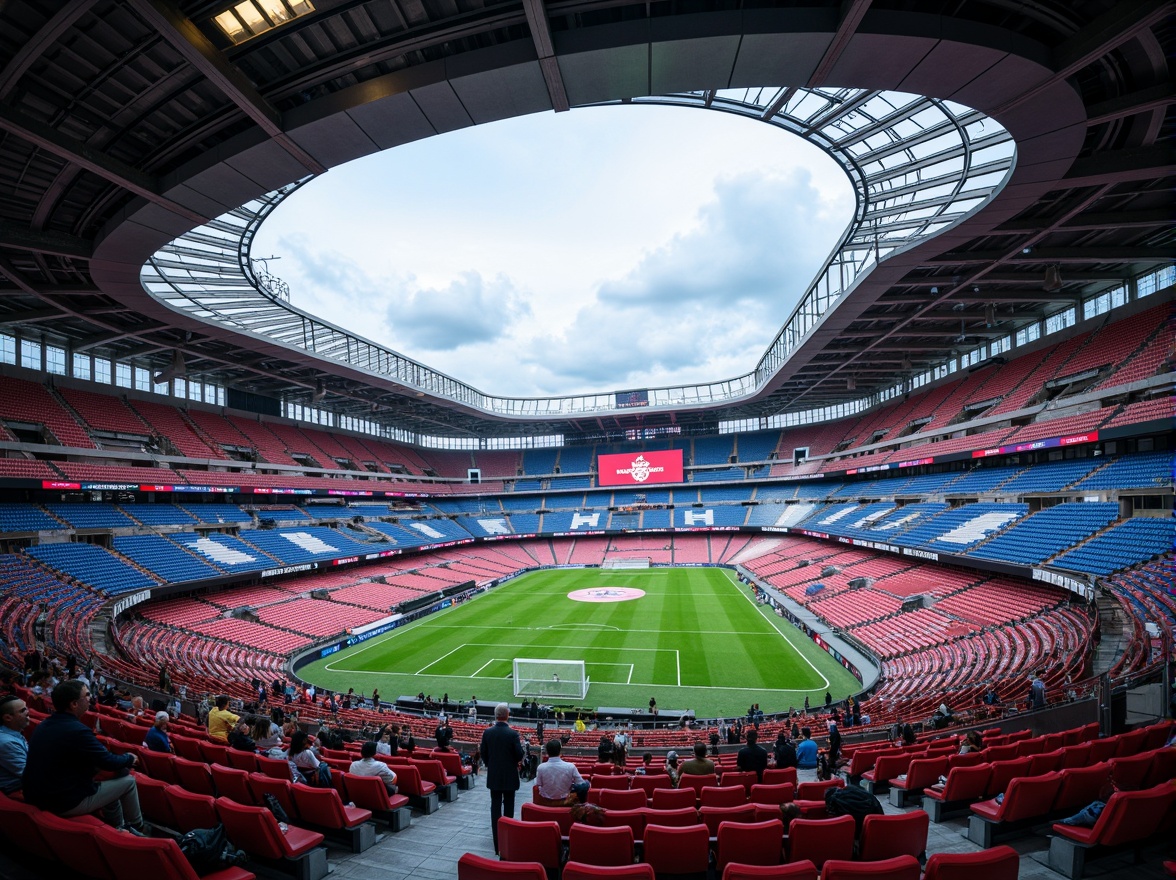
x=695 y=640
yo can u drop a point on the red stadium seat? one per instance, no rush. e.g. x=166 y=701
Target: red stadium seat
x=1080 y=786
x=295 y=851
x=323 y=809
x=683 y=850
x=600 y=846
x=154 y=857
x=159 y=765
x=651 y=782
x=804 y=870
x=777 y=775
x=74 y=844
x=153 y=801
x=474 y=867
x=998 y=863
x=1028 y=799
x=678 y=818
x=621 y=799
x=897 y=868
x=750 y=843
x=232 y=784
x=370 y=793
x=634 y=820
x=16 y=823
x=673 y=798
x=736 y=777
x=579 y=871
x=723 y=796
x=194 y=776
x=820 y=840
x=884 y=837
x=560 y=815
x=712 y=817
x=1129 y=818
x=520 y=841
x=191 y=810
x=783 y=793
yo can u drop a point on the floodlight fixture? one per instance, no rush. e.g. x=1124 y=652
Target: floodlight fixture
x=245 y=20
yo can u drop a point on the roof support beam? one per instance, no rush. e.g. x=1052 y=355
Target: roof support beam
x=1061 y=255
x=45 y=37
x=1110 y=30
x=1121 y=166
x=29 y=316
x=94 y=161
x=100 y=339
x=187 y=39
x=55 y=243
x=776 y=106
x=545 y=49
x=852 y=12
x=1142 y=101
x=1143 y=219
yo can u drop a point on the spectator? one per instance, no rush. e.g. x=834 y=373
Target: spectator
x=973 y=742
x=239 y=737
x=753 y=756
x=156 y=738
x=306 y=762
x=501 y=750
x=784 y=751
x=604 y=751
x=14 y=748
x=407 y=740
x=64 y=756
x=444 y=733
x=699 y=765
x=266 y=734
x=1036 y=691
x=806 y=750
x=646 y=768
x=556 y=778
x=220 y=720
x=834 y=744
x=671 y=768
x=367 y=765
x=903 y=731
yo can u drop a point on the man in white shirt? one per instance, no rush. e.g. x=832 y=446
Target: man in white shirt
x=557 y=778
x=367 y=765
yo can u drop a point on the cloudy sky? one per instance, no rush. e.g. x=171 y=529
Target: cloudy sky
x=601 y=249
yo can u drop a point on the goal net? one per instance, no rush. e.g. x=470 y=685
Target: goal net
x=550 y=678
x=626 y=562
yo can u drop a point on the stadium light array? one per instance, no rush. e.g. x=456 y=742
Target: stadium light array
x=246 y=20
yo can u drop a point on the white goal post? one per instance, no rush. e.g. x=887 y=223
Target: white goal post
x=550 y=678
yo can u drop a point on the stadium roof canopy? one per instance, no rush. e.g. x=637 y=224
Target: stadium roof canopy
x=1009 y=159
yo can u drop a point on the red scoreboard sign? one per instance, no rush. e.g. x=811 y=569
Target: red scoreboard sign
x=640 y=468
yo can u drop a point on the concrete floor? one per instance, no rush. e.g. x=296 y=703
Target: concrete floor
x=430 y=847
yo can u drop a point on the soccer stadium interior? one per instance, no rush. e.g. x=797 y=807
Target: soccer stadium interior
x=952 y=468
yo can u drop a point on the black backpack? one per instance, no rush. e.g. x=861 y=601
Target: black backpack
x=208 y=849
x=852 y=801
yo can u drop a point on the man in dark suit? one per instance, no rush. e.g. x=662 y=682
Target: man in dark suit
x=752 y=757
x=501 y=752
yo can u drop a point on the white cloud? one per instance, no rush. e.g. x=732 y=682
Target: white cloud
x=585 y=252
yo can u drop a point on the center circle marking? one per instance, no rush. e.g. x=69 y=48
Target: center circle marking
x=606 y=594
